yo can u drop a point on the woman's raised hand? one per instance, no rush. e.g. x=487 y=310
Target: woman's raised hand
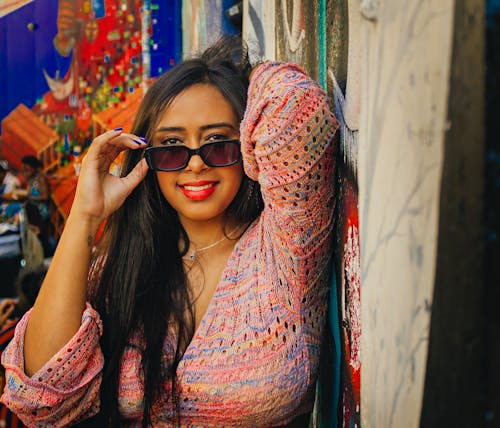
x=99 y=193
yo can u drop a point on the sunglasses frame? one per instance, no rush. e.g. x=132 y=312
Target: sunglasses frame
x=148 y=153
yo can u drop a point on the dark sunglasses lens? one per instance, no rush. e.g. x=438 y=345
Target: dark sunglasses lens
x=220 y=154
x=169 y=158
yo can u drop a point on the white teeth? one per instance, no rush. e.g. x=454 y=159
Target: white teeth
x=198 y=188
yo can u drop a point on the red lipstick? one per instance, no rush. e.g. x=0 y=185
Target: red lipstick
x=198 y=190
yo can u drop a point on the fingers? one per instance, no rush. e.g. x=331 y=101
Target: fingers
x=134 y=177
x=108 y=145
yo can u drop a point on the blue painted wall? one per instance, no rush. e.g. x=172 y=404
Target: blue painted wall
x=166 y=37
x=24 y=53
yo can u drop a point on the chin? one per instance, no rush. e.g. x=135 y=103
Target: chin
x=201 y=213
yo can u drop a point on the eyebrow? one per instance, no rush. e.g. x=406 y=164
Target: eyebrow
x=203 y=128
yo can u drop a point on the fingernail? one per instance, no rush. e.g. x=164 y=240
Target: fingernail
x=143 y=139
x=139 y=143
x=117 y=129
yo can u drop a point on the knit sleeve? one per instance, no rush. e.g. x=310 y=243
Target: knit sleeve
x=63 y=391
x=287 y=144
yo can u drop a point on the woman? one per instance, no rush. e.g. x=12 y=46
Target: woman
x=207 y=306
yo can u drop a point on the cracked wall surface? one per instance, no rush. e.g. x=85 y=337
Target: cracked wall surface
x=405 y=77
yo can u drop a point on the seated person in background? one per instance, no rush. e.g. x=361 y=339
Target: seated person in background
x=38 y=188
x=36 y=194
x=11 y=310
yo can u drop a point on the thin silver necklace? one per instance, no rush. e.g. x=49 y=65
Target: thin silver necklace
x=192 y=256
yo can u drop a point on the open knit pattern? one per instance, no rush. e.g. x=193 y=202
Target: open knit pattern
x=253 y=360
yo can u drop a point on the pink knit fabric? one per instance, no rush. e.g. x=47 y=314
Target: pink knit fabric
x=254 y=358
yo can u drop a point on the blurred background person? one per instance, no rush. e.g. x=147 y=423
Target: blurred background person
x=37 y=185
x=9 y=183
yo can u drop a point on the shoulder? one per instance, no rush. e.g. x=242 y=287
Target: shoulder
x=39 y=180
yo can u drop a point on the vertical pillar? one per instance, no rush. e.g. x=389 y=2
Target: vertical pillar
x=404 y=97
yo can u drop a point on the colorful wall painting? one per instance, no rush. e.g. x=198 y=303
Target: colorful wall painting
x=25 y=134
x=166 y=35
x=83 y=56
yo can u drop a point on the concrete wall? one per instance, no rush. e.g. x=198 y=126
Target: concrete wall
x=406 y=48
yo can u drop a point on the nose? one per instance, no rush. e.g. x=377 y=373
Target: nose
x=196 y=164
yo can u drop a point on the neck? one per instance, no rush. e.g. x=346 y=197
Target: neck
x=203 y=233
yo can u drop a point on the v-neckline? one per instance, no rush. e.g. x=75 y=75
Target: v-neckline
x=201 y=326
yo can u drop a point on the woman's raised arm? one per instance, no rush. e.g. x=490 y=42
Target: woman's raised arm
x=57 y=313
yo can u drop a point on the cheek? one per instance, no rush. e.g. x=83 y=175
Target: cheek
x=166 y=182
x=234 y=178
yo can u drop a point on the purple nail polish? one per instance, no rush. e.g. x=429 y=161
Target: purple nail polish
x=117 y=129
x=143 y=139
x=139 y=143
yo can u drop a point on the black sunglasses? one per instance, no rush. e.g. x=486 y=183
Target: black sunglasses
x=174 y=158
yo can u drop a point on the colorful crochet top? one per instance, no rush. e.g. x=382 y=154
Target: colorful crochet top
x=253 y=361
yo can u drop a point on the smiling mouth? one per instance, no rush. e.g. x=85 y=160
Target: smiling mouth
x=198 y=188
x=198 y=191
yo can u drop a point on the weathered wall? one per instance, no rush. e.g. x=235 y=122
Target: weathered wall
x=405 y=73
x=259 y=29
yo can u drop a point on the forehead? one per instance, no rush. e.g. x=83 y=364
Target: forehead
x=198 y=105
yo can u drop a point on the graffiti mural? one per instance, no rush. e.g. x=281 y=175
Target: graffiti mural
x=297 y=36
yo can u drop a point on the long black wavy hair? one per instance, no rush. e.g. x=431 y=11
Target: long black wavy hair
x=142 y=285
